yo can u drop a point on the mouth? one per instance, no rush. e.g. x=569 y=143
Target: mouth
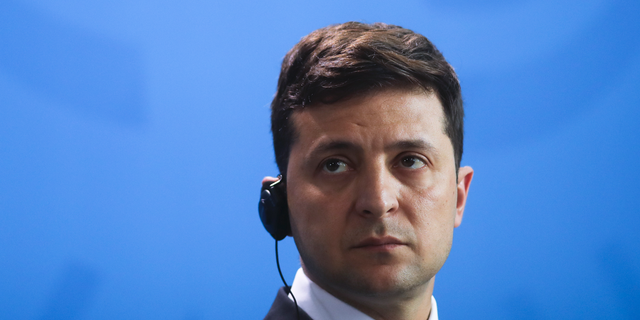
x=379 y=244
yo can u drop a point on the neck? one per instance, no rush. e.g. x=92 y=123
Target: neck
x=413 y=304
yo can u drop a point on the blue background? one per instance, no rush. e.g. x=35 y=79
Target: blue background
x=134 y=135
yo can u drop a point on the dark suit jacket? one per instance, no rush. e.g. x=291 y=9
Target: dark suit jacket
x=283 y=308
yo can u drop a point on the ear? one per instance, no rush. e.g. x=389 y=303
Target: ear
x=465 y=174
x=269 y=179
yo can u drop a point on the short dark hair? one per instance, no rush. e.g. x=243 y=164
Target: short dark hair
x=345 y=60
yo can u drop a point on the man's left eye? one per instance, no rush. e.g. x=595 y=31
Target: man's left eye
x=412 y=163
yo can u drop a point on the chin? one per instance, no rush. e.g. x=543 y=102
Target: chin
x=384 y=281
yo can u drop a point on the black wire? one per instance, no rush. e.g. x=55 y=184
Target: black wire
x=285 y=283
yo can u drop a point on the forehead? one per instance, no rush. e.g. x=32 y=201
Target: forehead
x=376 y=117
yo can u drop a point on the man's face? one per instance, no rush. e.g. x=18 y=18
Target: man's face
x=372 y=192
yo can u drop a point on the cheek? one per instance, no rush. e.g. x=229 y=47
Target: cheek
x=436 y=203
x=434 y=219
x=317 y=229
x=313 y=214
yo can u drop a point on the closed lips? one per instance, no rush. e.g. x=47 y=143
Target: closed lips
x=374 y=242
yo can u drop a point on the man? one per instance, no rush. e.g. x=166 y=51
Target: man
x=367 y=127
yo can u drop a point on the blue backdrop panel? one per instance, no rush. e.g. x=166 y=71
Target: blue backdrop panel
x=134 y=135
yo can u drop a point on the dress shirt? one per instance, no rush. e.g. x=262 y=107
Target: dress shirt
x=321 y=305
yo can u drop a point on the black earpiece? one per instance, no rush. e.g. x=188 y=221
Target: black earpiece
x=273 y=209
x=274 y=214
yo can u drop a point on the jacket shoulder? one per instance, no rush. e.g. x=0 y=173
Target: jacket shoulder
x=284 y=309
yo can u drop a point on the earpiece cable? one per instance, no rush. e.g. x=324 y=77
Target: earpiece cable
x=285 y=283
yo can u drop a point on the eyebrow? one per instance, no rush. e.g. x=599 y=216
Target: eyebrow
x=412 y=144
x=334 y=145
x=337 y=145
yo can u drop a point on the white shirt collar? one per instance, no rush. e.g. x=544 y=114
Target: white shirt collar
x=321 y=305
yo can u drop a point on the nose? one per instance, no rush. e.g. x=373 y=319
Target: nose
x=377 y=192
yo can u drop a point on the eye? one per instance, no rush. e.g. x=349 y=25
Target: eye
x=412 y=162
x=335 y=166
